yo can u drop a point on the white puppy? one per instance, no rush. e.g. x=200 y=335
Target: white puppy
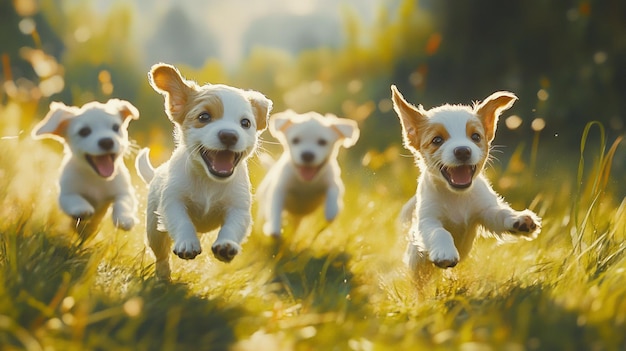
x=307 y=174
x=454 y=201
x=93 y=172
x=205 y=184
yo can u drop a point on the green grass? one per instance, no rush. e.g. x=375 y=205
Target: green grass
x=335 y=287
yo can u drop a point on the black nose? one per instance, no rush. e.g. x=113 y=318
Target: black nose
x=462 y=153
x=307 y=156
x=228 y=137
x=105 y=143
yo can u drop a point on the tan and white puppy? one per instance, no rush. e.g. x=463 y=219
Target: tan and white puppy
x=93 y=172
x=205 y=183
x=307 y=174
x=454 y=200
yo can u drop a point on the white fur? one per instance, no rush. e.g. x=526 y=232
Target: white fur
x=85 y=195
x=442 y=219
x=286 y=188
x=185 y=197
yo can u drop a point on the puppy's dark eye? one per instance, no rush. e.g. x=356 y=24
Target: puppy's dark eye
x=322 y=142
x=295 y=141
x=476 y=137
x=116 y=127
x=84 y=131
x=437 y=140
x=245 y=123
x=204 y=117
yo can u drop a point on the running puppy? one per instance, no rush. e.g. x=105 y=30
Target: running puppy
x=93 y=172
x=205 y=183
x=454 y=201
x=307 y=174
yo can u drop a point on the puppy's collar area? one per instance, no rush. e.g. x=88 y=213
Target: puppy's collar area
x=103 y=165
x=221 y=163
x=459 y=177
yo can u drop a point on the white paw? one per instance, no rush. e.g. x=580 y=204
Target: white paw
x=187 y=249
x=444 y=257
x=125 y=222
x=525 y=223
x=225 y=250
x=81 y=212
x=331 y=211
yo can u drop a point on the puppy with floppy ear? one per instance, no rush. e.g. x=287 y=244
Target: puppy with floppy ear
x=307 y=174
x=93 y=172
x=205 y=184
x=454 y=201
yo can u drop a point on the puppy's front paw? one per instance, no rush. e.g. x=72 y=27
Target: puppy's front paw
x=81 y=213
x=526 y=223
x=125 y=222
x=225 y=250
x=187 y=249
x=444 y=258
x=331 y=210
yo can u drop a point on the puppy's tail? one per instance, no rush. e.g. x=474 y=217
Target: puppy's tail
x=143 y=166
x=408 y=213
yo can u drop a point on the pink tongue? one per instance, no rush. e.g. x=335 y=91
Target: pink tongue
x=307 y=173
x=461 y=175
x=223 y=161
x=104 y=165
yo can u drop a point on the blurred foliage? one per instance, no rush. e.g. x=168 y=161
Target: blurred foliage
x=563 y=59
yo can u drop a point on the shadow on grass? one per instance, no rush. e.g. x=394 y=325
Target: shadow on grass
x=530 y=316
x=50 y=297
x=322 y=281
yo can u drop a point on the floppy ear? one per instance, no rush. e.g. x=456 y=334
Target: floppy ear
x=166 y=80
x=126 y=109
x=348 y=130
x=261 y=106
x=55 y=123
x=489 y=110
x=411 y=118
x=279 y=122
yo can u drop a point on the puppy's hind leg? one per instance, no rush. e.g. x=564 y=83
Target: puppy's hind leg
x=87 y=227
x=420 y=266
x=160 y=243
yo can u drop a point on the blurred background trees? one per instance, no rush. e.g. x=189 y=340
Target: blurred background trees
x=566 y=60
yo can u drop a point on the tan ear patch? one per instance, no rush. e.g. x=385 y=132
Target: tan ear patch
x=210 y=104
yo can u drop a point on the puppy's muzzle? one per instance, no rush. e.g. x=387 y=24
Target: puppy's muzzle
x=106 y=144
x=103 y=164
x=307 y=170
x=222 y=163
x=462 y=153
x=460 y=177
x=228 y=137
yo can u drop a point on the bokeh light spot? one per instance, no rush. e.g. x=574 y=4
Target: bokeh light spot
x=513 y=122
x=538 y=124
x=543 y=95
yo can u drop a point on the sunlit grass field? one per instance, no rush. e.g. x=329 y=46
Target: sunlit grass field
x=324 y=287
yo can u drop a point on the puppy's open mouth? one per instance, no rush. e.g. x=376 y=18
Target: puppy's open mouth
x=459 y=177
x=307 y=173
x=104 y=165
x=221 y=163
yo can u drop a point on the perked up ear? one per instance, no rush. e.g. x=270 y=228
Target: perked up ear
x=411 y=118
x=261 y=106
x=126 y=109
x=279 y=122
x=490 y=109
x=55 y=123
x=348 y=130
x=166 y=80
